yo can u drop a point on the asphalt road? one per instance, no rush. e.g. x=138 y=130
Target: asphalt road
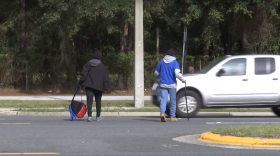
x=118 y=136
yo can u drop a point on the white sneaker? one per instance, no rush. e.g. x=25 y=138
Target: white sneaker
x=98 y=118
x=89 y=119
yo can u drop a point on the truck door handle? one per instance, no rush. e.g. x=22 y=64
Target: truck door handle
x=244 y=79
x=275 y=79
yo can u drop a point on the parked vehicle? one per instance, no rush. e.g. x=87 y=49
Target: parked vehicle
x=241 y=81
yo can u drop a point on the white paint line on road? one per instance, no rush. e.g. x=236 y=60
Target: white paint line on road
x=35 y=153
x=14 y=123
x=165 y=145
x=239 y=123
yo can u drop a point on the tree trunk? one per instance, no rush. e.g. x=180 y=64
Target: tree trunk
x=229 y=24
x=100 y=43
x=123 y=33
x=229 y=37
x=205 y=50
x=241 y=51
x=72 y=66
x=157 y=40
x=23 y=43
x=186 y=11
x=130 y=38
x=22 y=27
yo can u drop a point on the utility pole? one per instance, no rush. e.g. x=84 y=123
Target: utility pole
x=138 y=55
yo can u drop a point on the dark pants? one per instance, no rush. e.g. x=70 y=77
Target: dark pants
x=98 y=94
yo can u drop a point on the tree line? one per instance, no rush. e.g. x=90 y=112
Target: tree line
x=44 y=43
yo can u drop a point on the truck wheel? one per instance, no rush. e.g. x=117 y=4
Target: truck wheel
x=276 y=111
x=194 y=103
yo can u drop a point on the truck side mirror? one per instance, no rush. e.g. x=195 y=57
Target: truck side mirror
x=221 y=72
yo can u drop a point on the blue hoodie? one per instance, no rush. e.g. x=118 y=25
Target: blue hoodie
x=167 y=70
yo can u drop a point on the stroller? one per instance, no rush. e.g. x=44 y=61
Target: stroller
x=77 y=109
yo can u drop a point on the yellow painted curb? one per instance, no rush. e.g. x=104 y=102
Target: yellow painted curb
x=243 y=141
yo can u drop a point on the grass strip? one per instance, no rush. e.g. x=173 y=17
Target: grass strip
x=255 y=131
x=116 y=109
x=63 y=103
x=103 y=110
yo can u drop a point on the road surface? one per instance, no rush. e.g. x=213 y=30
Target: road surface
x=118 y=136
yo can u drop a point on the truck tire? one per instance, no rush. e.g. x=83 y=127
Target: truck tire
x=194 y=97
x=276 y=111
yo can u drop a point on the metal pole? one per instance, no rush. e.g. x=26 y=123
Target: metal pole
x=186 y=46
x=184 y=49
x=183 y=56
x=139 y=56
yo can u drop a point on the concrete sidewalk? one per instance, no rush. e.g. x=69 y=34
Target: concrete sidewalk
x=11 y=112
x=111 y=98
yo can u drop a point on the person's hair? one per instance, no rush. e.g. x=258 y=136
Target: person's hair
x=171 y=52
x=97 y=54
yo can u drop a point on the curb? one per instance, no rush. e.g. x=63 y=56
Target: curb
x=240 y=141
x=11 y=112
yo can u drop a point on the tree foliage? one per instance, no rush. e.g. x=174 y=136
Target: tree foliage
x=44 y=43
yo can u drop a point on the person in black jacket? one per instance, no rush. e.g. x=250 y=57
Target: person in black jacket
x=95 y=79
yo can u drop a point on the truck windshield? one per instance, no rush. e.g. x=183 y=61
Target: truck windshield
x=212 y=64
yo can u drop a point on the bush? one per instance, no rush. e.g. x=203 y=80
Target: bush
x=121 y=68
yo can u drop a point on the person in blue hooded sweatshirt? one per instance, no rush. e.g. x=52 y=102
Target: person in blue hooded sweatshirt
x=167 y=71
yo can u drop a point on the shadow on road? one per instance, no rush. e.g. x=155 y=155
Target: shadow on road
x=153 y=120
x=75 y=120
x=148 y=119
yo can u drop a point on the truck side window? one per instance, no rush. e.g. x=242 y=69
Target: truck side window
x=235 y=67
x=264 y=66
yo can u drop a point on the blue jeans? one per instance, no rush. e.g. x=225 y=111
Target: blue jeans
x=164 y=98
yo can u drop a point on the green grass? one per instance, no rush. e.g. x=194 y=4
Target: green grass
x=260 y=131
x=39 y=110
x=63 y=103
x=103 y=110
x=153 y=109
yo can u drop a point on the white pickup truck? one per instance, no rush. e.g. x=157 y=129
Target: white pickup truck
x=241 y=81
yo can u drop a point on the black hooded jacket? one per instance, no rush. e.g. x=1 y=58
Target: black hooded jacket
x=95 y=76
